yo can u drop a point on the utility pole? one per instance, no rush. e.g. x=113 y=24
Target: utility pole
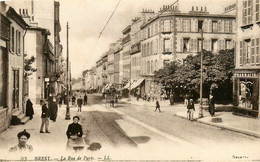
x=201 y=68
x=68 y=108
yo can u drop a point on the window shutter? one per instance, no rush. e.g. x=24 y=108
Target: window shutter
x=241 y=53
x=219 y=45
x=244 y=53
x=171 y=50
x=196 y=25
x=253 y=51
x=192 y=25
x=191 y=45
x=162 y=45
x=181 y=44
x=195 y=45
x=209 y=45
x=257 y=52
x=209 y=26
x=188 y=25
x=234 y=26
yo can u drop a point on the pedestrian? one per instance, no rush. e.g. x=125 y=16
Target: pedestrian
x=74 y=133
x=29 y=109
x=79 y=103
x=73 y=100
x=22 y=143
x=171 y=100
x=191 y=109
x=54 y=110
x=45 y=117
x=85 y=99
x=157 y=106
x=60 y=100
x=186 y=101
x=211 y=105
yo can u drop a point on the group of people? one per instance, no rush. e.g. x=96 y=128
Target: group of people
x=80 y=101
x=74 y=134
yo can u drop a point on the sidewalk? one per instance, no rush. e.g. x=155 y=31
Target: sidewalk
x=245 y=125
x=43 y=143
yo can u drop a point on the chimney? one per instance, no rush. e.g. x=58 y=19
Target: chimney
x=192 y=9
x=205 y=8
x=27 y=12
x=20 y=12
x=201 y=9
x=197 y=8
x=23 y=13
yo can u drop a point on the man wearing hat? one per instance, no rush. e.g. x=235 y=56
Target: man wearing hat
x=45 y=117
x=22 y=140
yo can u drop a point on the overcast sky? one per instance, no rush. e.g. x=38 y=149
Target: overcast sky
x=88 y=17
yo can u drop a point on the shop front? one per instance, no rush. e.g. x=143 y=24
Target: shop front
x=246 y=93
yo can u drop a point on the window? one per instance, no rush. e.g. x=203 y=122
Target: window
x=148 y=49
x=214 y=26
x=247 y=12
x=12 y=39
x=247 y=51
x=186 y=25
x=18 y=40
x=156 y=46
x=152 y=31
x=148 y=32
x=228 y=44
x=155 y=65
x=167 y=45
x=257 y=8
x=167 y=25
x=228 y=26
x=214 y=45
x=220 y=26
x=15 y=98
x=144 y=50
x=186 y=42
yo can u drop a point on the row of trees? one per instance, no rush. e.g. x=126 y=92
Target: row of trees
x=184 y=78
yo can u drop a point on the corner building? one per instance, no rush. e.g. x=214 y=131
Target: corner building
x=247 y=60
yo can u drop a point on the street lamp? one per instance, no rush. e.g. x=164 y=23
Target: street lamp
x=200 y=26
x=67 y=117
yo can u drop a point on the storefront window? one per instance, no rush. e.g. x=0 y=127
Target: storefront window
x=246 y=93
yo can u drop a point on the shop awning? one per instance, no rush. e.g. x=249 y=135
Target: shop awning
x=127 y=86
x=137 y=83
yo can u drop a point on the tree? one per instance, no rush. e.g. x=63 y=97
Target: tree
x=217 y=74
x=28 y=69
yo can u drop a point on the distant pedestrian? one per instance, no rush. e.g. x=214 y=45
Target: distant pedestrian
x=29 y=109
x=53 y=110
x=171 y=100
x=60 y=100
x=186 y=100
x=85 y=99
x=79 y=103
x=22 y=147
x=45 y=117
x=157 y=106
x=191 y=109
x=73 y=100
x=211 y=105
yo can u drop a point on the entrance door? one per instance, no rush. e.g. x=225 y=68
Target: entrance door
x=15 y=89
x=3 y=76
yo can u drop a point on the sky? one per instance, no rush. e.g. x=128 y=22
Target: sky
x=87 y=18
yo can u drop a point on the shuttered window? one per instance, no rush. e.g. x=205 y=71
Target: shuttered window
x=247 y=12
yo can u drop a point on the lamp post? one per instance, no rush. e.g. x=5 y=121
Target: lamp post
x=201 y=67
x=67 y=117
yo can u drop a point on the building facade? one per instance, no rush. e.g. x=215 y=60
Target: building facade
x=13 y=29
x=247 y=60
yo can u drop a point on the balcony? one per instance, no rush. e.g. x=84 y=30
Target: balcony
x=135 y=48
x=126 y=39
x=167 y=51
